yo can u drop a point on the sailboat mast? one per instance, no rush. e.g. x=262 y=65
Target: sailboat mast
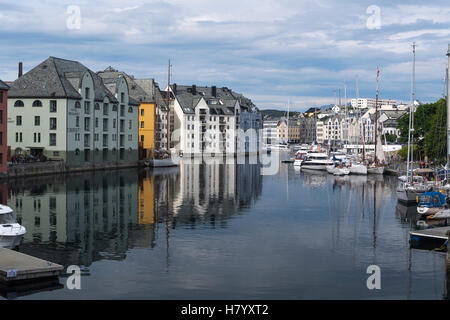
x=448 y=107
x=288 y=122
x=376 y=119
x=413 y=84
x=168 y=107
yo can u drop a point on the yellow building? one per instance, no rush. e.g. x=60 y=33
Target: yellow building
x=147 y=201
x=147 y=115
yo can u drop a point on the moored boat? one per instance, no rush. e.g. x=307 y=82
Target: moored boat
x=11 y=232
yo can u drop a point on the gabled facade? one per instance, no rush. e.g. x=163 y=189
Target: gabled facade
x=211 y=120
x=63 y=111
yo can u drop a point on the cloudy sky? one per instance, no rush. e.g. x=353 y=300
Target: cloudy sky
x=272 y=51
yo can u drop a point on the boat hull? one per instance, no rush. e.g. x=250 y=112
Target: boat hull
x=375 y=170
x=358 y=169
x=318 y=167
x=407 y=196
x=10 y=242
x=161 y=163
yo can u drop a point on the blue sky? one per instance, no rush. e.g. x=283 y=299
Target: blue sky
x=271 y=51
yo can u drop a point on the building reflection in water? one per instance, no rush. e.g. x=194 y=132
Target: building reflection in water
x=82 y=218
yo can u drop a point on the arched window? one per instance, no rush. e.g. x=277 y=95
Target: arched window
x=77 y=104
x=18 y=103
x=97 y=106
x=37 y=103
x=130 y=110
x=77 y=151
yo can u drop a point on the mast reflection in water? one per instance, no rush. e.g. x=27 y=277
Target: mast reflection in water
x=224 y=232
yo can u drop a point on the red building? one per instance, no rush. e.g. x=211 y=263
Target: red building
x=3 y=126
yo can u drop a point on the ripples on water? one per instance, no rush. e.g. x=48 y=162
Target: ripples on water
x=224 y=232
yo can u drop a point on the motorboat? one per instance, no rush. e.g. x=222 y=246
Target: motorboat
x=431 y=203
x=316 y=161
x=299 y=157
x=11 y=232
x=161 y=163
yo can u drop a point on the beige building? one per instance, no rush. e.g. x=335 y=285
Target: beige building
x=288 y=133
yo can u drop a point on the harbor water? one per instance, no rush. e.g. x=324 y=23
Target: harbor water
x=224 y=231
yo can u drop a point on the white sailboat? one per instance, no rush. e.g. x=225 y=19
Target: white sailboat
x=377 y=166
x=409 y=190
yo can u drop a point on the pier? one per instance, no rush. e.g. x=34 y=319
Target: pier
x=16 y=267
x=433 y=238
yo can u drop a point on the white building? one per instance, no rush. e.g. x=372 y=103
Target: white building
x=63 y=110
x=363 y=103
x=209 y=120
x=270 y=132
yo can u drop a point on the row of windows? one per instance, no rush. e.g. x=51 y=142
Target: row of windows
x=37 y=121
x=53 y=106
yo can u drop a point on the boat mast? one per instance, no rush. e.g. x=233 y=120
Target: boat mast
x=376 y=120
x=411 y=117
x=448 y=108
x=168 y=108
x=288 y=123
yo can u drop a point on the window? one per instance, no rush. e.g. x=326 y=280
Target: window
x=86 y=124
x=142 y=124
x=34 y=138
x=114 y=108
x=105 y=109
x=122 y=97
x=130 y=137
x=39 y=137
x=105 y=140
x=1 y=116
x=77 y=122
x=37 y=103
x=96 y=137
x=130 y=124
x=17 y=137
x=52 y=105
x=142 y=112
x=1 y=98
x=87 y=107
x=77 y=104
x=1 y=139
x=96 y=122
x=105 y=124
x=86 y=93
x=18 y=103
x=18 y=120
x=114 y=123
x=52 y=123
x=130 y=110
x=142 y=138
x=52 y=139
x=97 y=106
x=37 y=120
x=122 y=110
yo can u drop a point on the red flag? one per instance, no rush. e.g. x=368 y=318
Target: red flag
x=378 y=72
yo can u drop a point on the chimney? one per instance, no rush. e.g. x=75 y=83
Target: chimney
x=194 y=89
x=213 y=91
x=20 y=69
x=174 y=88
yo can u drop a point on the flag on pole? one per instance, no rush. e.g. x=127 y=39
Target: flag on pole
x=378 y=72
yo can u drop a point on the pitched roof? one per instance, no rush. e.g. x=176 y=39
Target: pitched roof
x=137 y=93
x=57 y=78
x=3 y=86
x=221 y=104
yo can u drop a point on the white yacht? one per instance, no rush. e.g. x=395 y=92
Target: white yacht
x=316 y=161
x=11 y=232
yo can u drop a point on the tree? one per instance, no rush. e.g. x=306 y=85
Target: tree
x=429 y=130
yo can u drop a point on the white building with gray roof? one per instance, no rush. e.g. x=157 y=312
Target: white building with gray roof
x=211 y=120
x=65 y=111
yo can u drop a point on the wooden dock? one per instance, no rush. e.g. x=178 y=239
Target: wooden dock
x=16 y=266
x=434 y=238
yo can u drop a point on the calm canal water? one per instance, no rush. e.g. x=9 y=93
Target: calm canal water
x=224 y=232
